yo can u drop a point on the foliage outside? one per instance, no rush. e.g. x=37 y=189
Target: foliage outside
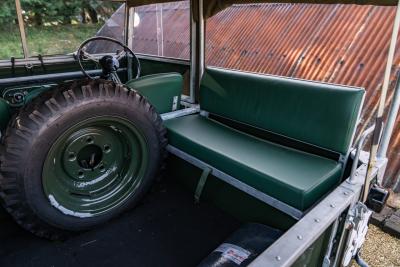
x=52 y=27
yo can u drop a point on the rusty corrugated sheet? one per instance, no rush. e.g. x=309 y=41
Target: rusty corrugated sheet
x=343 y=44
x=176 y=30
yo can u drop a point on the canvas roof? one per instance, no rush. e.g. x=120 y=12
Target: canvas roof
x=211 y=7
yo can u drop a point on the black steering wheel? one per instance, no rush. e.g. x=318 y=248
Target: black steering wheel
x=110 y=63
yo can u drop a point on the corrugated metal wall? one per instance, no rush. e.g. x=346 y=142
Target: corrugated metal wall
x=344 y=44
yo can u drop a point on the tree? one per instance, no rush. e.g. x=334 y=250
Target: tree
x=40 y=12
x=89 y=11
x=7 y=12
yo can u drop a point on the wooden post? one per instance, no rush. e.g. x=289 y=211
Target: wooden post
x=22 y=28
x=381 y=109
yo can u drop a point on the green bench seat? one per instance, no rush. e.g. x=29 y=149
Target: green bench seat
x=318 y=115
x=292 y=176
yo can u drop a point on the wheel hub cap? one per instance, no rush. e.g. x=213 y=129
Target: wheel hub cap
x=95 y=166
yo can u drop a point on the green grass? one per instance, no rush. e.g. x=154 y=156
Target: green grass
x=45 y=40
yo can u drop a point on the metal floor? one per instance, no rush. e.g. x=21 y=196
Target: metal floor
x=167 y=229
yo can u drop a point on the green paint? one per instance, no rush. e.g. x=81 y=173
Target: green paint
x=292 y=176
x=150 y=66
x=163 y=91
x=5 y=113
x=231 y=200
x=95 y=166
x=324 y=115
x=314 y=255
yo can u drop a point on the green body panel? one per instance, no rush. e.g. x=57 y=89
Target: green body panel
x=5 y=113
x=314 y=255
x=37 y=69
x=162 y=90
x=149 y=66
x=320 y=114
x=292 y=176
x=33 y=89
x=229 y=199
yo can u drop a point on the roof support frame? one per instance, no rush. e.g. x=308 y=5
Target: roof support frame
x=394 y=109
x=197 y=47
x=379 y=143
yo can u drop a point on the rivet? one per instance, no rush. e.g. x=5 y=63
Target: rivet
x=317 y=220
x=345 y=193
x=278 y=258
x=299 y=237
x=333 y=205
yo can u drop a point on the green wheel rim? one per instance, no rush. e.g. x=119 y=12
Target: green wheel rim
x=95 y=166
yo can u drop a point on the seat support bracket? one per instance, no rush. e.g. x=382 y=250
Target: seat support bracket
x=201 y=184
x=277 y=204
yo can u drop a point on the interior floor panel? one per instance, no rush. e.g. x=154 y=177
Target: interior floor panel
x=166 y=229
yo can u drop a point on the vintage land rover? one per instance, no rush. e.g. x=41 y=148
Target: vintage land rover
x=244 y=170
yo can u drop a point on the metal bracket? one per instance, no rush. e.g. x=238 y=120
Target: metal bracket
x=204 y=113
x=327 y=258
x=343 y=159
x=359 y=146
x=29 y=68
x=13 y=66
x=180 y=113
x=40 y=57
x=357 y=224
x=279 y=205
x=201 y=184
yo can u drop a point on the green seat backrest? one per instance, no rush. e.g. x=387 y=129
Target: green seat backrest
x=324 y=115
x=162 y=90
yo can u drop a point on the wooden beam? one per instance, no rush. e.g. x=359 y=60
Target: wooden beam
x=21 y=28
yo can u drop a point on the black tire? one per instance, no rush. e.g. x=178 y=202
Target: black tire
x=37 y=126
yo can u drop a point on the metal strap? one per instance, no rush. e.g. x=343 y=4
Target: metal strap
x=201 y=184
x=277 y=204
x=40 y=57
x=13 y=66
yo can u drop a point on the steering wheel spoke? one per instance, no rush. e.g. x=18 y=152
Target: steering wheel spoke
x=121 y=54
x=90 y=57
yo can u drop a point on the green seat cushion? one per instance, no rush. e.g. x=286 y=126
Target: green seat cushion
x=292 y=176
x=162 y=90
x=324 y=115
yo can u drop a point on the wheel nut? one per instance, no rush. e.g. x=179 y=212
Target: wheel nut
x=101 y=168
x=107 y=148
x=89 y=139
x=71 y=156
